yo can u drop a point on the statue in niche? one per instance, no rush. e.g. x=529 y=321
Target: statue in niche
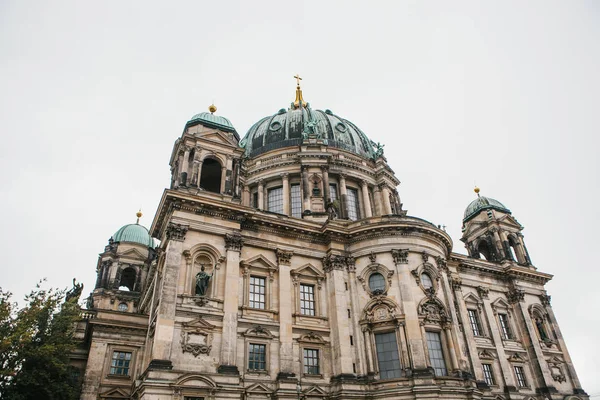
x=332 y=210
x=73 y=294
x=202 y=279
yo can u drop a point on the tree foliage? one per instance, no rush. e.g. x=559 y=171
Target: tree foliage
x=35 y=344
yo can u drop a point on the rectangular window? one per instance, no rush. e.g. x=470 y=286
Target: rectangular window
x=120 y=363
x=307 y=299
x=387 y=355
x=275 y=200
x=296 y=201
x=504 y=326
x=487 y=374
x=257 y=292
x=353 y=212
x=436 y=355
x=474 y=320
x=520 y=376
x=255 y=199
x=333 y=192
x=257 y=356
x=311 y=361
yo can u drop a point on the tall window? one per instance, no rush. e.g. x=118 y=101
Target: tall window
x=307 y=299
x=387 y=355
x=504 y=326
x=255 y=199
x=296 y=201
x=353 y=211
x=487 y=374
x=257 y=292
x=426 y=281
x=520 y=374
x=475 y=325
x=377 y=283
x=436 y=355
x=257 y=357
x=275 y=200
x=311 y=361
x=120 y=363
x=333 y=192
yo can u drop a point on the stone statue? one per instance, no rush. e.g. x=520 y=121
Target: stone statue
x=331 y=210
x=73 y=294
x=202 y=279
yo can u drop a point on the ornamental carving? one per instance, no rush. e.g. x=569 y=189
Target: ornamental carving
x=176 y=231
x=372 y=257
x=555 y=365
x=441 y=263
x=336 y=262
x=545 y=299
x=425 y=256
x=234 y=242
x=379 y=310
x=284 y=257
x=400 y=256
x=483 y=292
x=433 y=311
x=456 y=283
x=196 y=337
x=515 y=295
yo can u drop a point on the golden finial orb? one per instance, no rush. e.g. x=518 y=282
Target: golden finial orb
x=139 y=214
x=476 y=190
x=212 y=108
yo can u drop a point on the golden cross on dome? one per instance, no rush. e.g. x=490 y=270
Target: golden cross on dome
x=298 y=79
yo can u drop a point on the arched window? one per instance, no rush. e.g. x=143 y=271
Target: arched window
x=426 y=280
x=512 y=246
x=210 y=178
x=377 y=283
x=127 y=279
x=484 y=250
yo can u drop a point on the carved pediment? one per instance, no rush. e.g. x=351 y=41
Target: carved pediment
x=259 y=261
x=198 y=324
x=315 y=391
x=379 y=310
x=500 y=303
x=117 y=393
x=218 y=137
x=258 y=331
x=307 y=270
x=433 y=311
x=133 y=253
x=471 y=298
x=312 y=337
x=486 y=355
x=196 y=380
x=196 y=337
x=258 y=388
x=516 y=357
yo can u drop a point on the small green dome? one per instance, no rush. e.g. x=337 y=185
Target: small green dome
x=134 y=233
x=213 y=121
x=483 y=203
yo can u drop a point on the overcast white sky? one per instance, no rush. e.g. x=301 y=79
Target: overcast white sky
x=502 y=93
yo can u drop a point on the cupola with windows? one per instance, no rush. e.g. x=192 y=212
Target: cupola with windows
x=491 y=232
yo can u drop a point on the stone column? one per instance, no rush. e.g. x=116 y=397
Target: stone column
x=286 y=194
x=165 y=321
x=526 y=253
x=545 y=300
x=368 y=350
x=184 y=167
x=343 y=196
x=377 y=200
x=385 y=199
x=326 y=191
x=261 y=195
x=492 y=317
x=233 y=245
x=334 y=266
x=540 y=366
x=305 y=189
x=286 y=308
x=366 y=200
x=223 y=179
x=227 y=187
x=451 y=348
x=355 y=317
x=498 y=243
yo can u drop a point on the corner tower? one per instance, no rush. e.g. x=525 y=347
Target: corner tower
x=490 y=231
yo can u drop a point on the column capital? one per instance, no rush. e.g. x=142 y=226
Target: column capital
x=325 y=168
x=400 y=256
x=342 y=176
x=364 y=183
x=284 y=257
x=285 y=176
x=515 y=295
x=260 y=182
x=234 y=242
x=176 y=231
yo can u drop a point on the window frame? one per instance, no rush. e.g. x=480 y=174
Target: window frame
x=376 y=352
x=251 y=285
x=249 y=360
x=488 y=374
x=257 y=335
x=313 y=341
x=520 y=378
x=373 y=268
x=475 y=322
x=506 y=331
x=278 y=197
x=443 y=350
x=356 y=207
x=109 y=358
x=292 y=186
x=317 y=358
x=308 y=275
x=312 y=301
x=259 y=267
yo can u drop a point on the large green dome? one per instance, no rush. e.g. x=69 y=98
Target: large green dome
x=134 y=233
x=483 y=203
x=287 y=127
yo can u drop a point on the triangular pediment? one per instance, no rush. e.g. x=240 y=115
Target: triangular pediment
x=218 y=137
x=511 y=221
x=315 y=391
x=500 y=303
x=259 y=261
x=307 y=270
x=198 y=324
x=133 y=253
x=259 y=388
x=116 y=393
x=472 y=298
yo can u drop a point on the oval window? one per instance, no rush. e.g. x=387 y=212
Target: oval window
x=426 y=281
x=377 y=283
x=123 y=307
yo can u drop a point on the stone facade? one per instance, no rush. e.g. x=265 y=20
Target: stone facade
x=316 y=285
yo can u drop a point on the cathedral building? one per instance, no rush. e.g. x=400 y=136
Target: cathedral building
x=282 y=265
